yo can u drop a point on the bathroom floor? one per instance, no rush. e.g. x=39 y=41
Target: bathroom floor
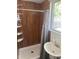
x=31 y=52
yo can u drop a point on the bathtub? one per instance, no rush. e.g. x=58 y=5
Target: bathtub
x=31 y=52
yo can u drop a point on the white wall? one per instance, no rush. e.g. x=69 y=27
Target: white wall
x=56 y=36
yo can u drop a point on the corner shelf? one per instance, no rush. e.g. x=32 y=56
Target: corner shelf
x=19 y=33
x=19 y=40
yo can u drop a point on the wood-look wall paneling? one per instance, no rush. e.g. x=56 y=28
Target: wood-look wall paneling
x=32 y=5
x=31 y=22
x=32 y=25
x=45 y=5
x=28 y=5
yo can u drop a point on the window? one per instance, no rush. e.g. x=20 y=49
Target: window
x=56 y=24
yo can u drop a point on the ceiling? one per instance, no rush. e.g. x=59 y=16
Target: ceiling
x=36 y=1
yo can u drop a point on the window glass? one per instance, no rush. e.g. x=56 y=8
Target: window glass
x=57 y=15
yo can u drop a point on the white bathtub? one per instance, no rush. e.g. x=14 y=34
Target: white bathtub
x=31 y=52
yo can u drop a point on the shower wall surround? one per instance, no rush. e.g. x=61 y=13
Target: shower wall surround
x=31 y=22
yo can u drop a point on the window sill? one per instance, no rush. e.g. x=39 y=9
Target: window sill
x=58 y=30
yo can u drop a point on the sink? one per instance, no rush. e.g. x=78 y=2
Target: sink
x=52 y=49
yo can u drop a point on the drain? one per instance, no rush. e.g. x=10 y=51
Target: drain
x=53 y=51
x=32 y=51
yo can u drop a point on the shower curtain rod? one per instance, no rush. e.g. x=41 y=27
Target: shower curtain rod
x=33 y=10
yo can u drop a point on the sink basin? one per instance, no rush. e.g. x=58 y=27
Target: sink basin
x=52 y=49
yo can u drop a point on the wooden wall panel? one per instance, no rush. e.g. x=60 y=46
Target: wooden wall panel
x=45 y=5
x=32 y=24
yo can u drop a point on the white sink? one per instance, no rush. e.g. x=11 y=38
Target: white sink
x=52 y=49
